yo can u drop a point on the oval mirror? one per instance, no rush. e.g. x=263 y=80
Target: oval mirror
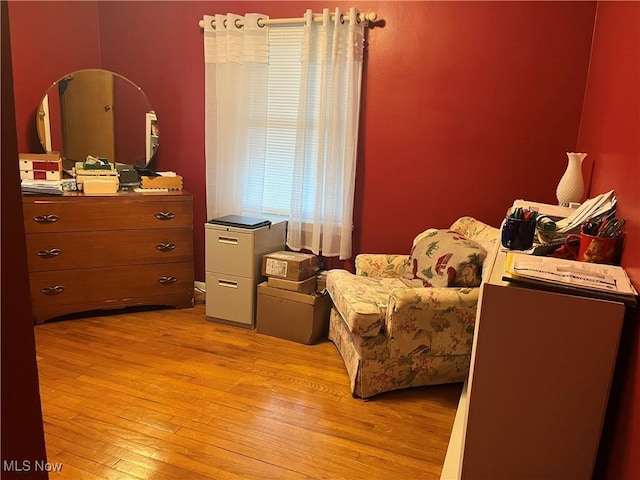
x=99 y=113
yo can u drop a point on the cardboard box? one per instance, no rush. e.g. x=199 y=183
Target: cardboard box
x=100 y=186
x=289 y=265
x=303 y=286
x=321 y=280
x=172 y=183
x=291 y=315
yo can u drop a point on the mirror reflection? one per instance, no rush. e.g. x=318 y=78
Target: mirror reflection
x=99 y=113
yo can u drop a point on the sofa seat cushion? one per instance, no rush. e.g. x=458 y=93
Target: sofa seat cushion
x=362 y=301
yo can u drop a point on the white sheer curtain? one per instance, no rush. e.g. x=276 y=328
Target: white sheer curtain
x=327 y=135
x=236 y=59
x=259 y=162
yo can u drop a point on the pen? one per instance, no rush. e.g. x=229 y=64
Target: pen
x=520 y=213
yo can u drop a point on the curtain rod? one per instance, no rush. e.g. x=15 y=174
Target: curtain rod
x=317 y=17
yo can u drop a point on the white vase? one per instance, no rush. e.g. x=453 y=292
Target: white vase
x=571 y=186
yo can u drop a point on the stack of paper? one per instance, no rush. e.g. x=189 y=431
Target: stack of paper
x=579 y=277
x=593 y=209
x=50 y=187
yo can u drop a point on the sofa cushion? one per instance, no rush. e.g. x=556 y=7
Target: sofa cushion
x=361 y=301
x=445 y=258
x=475 y=230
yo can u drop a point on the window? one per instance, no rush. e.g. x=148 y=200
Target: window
x=282 y=122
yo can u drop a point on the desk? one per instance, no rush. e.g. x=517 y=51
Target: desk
x=536 y=396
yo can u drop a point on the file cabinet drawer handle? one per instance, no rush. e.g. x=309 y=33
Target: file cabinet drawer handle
x=165 y=247
x=46 y=218
x=55 y=290
x=228 y=240
x=52 y=252
x=167 y=280
x=165 y=215
x=227 y=283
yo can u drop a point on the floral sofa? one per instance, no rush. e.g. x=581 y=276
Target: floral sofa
x=398 y=324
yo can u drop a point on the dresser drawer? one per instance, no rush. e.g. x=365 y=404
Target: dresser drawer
x=110 y=286
x=71 y=250
x=80 y=213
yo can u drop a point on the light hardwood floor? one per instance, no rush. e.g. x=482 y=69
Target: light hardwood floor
x=166 y=394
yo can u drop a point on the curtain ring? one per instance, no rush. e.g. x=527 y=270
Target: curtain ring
x=260 y=22
x=342 y=18
x=213 y=24
x=224 y=23
x=236 y=23
x=358 y=18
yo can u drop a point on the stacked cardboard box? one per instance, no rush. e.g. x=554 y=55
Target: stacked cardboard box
x=289 y=265
x=288 y=305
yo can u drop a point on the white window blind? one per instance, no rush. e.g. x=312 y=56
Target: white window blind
x=267 y=188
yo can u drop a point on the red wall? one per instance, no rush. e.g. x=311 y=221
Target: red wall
x=610 y=134
x=466 y=105
x=49 y=40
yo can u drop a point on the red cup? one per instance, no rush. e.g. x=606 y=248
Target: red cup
x=595 y=249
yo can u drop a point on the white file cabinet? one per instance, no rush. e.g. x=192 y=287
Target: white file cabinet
x=233 y=263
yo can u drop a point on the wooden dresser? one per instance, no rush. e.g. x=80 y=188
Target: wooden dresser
x=105 y=252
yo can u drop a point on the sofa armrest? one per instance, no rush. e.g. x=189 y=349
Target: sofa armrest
x=381 y=265
x=437 y=321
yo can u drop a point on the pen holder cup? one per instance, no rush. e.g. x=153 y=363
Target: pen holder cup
x=592 y=249
x=518 y=233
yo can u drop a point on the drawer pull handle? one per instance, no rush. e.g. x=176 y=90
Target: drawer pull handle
x=167 y=280
x=228 y=240
x=165 y=215
x=46 y=218
x=227 y=283
x=55 y=290
x=52 y=252
x=165 y=247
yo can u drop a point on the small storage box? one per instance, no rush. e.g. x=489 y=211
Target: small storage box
x=172 y=183
x=37 y=175
x=100 y=186
x=304 y=286
x=40 y=161
x=291 y=315
x=321 y=280
x=289 y=265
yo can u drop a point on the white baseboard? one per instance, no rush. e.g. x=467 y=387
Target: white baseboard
x=200 y=286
